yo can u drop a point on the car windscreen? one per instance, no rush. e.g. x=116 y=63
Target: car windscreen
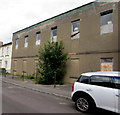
x=83 y=79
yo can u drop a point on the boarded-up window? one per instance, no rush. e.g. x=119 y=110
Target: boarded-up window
x=24 y=66
x=15 y=64
x=15 y=67
x=106 y=64
x=35 y=65
x=74 y=68
x=106 y=22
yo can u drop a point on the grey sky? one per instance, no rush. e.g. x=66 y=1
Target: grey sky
x=18 y=14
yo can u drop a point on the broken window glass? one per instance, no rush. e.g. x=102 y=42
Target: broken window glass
x=75 y=29
x=106 y=23
x=54 y=34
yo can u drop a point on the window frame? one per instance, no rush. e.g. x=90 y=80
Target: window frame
x=38 y=35
x=75 y=34
x=82 y=76
x=102 y=62
x=117 y=86
x=7 y=51
x=102 y=83
x=107 y=25
x=16 y=43
x=26 y=41
x=54 y=38
x=6 y=64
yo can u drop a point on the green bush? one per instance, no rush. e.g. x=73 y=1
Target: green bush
x=27 y=77
x=51 y=64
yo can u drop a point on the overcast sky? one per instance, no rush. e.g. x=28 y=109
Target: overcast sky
x=18 y=14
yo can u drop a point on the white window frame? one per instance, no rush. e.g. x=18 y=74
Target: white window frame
x=38 y=38
x=0 y=63
x=16 y=43
x=26 y=42
x=6 y=64
x=53 y=37
x=7 y=52
x=2 y=52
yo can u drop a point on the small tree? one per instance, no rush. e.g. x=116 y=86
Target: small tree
x=51 y=63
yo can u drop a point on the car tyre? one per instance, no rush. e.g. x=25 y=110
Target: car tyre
x=85 y=104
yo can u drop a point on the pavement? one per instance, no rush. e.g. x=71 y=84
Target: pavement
x=63 y=91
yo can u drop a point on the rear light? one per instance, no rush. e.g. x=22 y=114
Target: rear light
x=73 y=87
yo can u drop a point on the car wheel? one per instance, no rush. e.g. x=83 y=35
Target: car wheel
x=84 y=104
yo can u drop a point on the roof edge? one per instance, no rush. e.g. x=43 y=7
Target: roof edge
x=58 y=16
x=6 y=44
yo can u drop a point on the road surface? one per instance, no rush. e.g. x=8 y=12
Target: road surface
x=21 y=100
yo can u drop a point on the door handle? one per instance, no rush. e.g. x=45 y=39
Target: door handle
x=89 y=89
x=118 y=95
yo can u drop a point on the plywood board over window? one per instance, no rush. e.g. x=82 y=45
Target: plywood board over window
x=35 y=65
x=74 y=68
x=24 y=67
x=15 y=67
x=106 y=64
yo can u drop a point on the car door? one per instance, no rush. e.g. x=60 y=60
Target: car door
x=117 y=94
x=102 y=91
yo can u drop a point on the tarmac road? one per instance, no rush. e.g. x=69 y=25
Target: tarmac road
x=21 y=100
x=16 y=99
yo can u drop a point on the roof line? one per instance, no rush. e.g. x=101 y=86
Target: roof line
x=58 y=16
x=6 y=44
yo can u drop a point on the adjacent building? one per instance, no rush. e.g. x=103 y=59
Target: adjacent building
x=90 y=34
x=5 y=56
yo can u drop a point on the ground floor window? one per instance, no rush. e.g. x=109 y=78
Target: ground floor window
x=6 y=64
x=106 y=64
x=0 y=63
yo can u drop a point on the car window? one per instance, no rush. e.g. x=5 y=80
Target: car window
x=117 y=82
x=104 y=81
x=83 y=79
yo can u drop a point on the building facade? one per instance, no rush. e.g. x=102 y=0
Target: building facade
x=89 y=33
x=5 y=56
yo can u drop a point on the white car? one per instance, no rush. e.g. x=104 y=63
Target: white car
x=97 y=89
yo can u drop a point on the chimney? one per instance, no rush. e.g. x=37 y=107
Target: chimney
x=1 y=43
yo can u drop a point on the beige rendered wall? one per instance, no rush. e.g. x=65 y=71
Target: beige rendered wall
x=90 y=47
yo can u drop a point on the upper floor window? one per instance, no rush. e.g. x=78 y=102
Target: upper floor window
x=16 y=43
x=26 y=41
x=6 y=64
x=0 y=63
x=106 y=22
x=7 y=53
x=2 y=51
x=38 y=38
x=75 y=29
x=54 y=34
